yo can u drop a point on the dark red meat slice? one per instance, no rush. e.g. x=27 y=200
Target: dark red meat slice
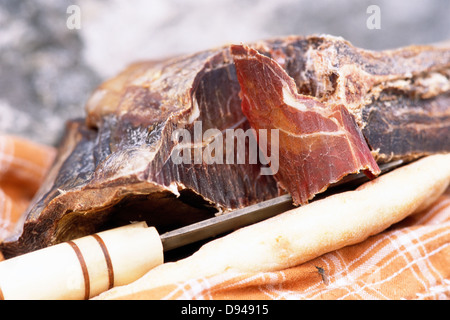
x=318 y=144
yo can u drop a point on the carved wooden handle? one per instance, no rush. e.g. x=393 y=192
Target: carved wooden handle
x=82 y=268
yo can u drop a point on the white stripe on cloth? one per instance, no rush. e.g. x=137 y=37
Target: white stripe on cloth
x=408 y=265
x=439 y=213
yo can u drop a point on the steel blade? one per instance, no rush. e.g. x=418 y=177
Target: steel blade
x=226 y=222
x=246 y=216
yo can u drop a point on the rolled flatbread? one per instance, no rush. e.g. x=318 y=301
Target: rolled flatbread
x=307 y=232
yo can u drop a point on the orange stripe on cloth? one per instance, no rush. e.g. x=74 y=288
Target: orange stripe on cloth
x=410 y=260
x=23 y=165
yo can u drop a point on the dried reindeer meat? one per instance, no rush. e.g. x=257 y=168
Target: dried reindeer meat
x=115 y=166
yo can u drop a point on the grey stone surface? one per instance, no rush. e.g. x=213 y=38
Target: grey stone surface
x=43 y=78
x=47 y=71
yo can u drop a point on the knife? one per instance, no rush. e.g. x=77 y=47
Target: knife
x=85 y=267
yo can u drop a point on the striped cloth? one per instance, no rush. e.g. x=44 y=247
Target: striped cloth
x=23 y=165
x=410 y=260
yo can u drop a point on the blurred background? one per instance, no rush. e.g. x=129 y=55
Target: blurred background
x=51 y=60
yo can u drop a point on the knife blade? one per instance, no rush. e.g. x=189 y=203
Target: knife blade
x=226 y=222
x=246 y=216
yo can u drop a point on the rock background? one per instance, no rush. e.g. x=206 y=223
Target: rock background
x=47 y=71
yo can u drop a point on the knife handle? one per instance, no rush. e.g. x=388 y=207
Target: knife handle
x=82 y=268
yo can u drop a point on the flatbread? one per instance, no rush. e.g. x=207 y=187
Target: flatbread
x=307 y=232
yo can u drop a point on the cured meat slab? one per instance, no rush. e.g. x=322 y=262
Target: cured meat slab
x=319 y=144
x=115 y=166
x=398 y=98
